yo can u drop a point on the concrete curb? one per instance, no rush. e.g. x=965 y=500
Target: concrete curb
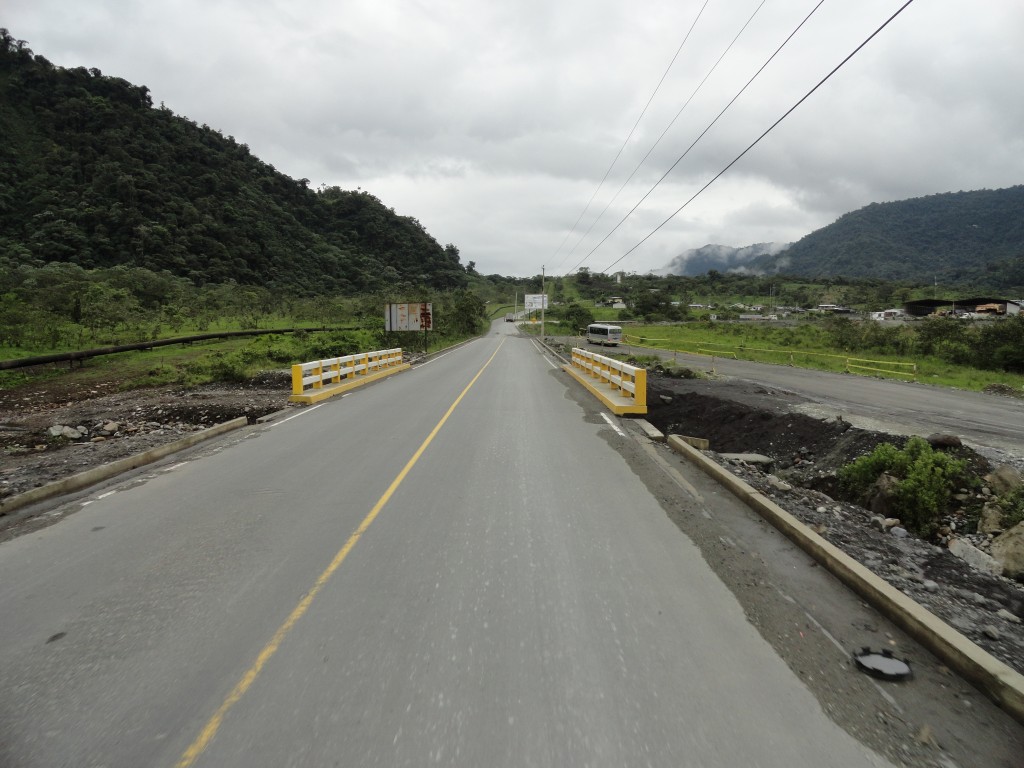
x=999 y=682
x=107 y=471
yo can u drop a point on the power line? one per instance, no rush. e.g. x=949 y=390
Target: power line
x=708 y=128
x=628 y=137
x=664 y=132
x=759 y=138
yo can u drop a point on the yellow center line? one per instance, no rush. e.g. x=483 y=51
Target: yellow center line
x=202 y=741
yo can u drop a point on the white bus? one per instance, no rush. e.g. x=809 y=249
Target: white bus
x=599 y=333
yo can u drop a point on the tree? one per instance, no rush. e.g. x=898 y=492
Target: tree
x=576 y=316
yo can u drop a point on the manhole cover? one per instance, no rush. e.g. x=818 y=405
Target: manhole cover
x=882 y=664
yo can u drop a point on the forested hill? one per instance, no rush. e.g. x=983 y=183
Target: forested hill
x=972 y=238
x=93 y=174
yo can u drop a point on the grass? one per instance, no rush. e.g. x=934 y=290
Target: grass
x=806 y=346
x=234 y=359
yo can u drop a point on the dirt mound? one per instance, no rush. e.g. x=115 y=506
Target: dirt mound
x=737 y=427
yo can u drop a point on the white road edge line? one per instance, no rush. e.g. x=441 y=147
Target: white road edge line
x=543 y=352
x=301 y=413
x=443 y=354
x=612 y=424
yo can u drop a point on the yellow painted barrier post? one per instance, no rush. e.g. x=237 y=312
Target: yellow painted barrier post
x=640 y=386
x=319 y=373
x=296 y=379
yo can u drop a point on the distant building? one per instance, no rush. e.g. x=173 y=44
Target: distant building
x=985 y=305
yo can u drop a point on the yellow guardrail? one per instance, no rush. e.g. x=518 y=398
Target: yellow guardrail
x=620 y=386
x=851 y=364
x=321 y=379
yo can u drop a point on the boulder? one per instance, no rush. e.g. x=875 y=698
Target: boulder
x=941 y=440
x=1004 y=479
x=974 y=557
x=1008 y=551
x=991 y=520
x=882 y=495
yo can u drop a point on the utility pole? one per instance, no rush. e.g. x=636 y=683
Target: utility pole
x=543 y=300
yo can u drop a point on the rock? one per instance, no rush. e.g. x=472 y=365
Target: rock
x=899 y=532
x=974 y=557
x=991 y=520
x=1002 y=613
x=748 y=458
x=98 y=439
x=1008 y=551
x=930 y=586
x=941 y=440
x=779 y=485
x=990 y=632
x=890 y=522
x=111 y=426
x=71 y=433
x=666 y=399
x=1004 y=479
x=882 y=495
x=57 y=430
x=878 y=523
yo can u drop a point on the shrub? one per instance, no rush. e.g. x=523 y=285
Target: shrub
x=927 y=479
x=1013 y=508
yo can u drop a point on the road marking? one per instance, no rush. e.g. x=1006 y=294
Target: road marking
x=171 y=468
x=443 y=354
x=205 y=736
x=301 y=413
x=612 y=424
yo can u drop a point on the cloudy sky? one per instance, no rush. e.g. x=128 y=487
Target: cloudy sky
x=494 y=122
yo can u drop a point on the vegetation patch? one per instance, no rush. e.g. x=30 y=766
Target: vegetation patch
x=925 y=481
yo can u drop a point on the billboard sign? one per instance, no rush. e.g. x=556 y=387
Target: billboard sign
x=409 y=317
x=536 y=301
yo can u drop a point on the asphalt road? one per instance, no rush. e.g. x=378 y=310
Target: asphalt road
x=450 y=567
x=901 y=407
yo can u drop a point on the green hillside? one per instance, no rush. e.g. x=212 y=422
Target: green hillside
x=91 y=173
x=974 y=238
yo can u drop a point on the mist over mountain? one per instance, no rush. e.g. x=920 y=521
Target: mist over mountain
x=723 y=258
x=956 y=238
